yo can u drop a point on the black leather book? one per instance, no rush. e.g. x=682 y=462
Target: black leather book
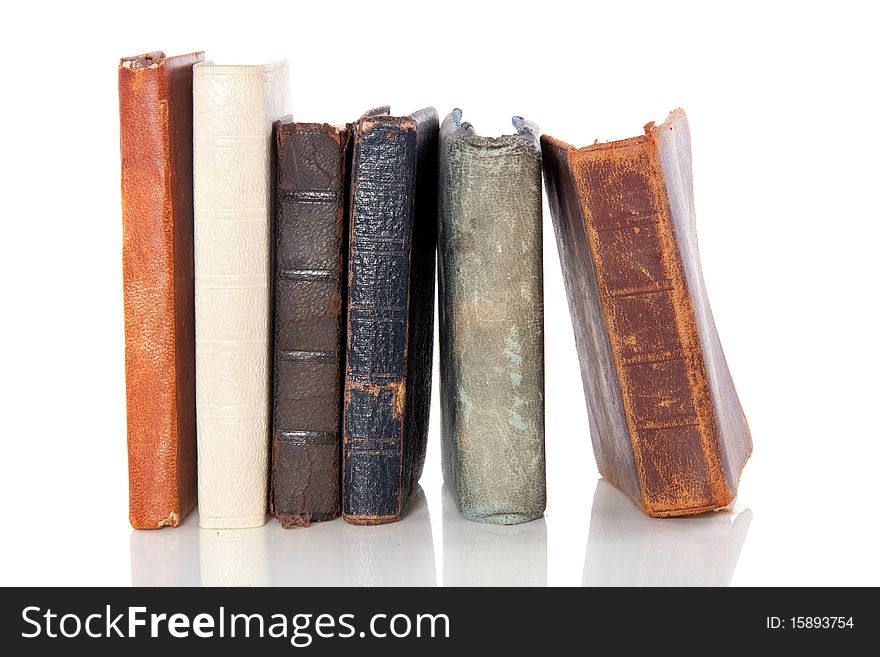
x=390 y=313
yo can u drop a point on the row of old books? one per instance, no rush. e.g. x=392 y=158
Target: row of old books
x=279 y=297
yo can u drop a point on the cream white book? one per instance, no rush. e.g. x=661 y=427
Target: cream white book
x=234 y=109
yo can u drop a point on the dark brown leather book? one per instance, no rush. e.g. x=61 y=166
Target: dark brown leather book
x=666 y=423
x=390 y=313
x=155 y=121
x=309 y=237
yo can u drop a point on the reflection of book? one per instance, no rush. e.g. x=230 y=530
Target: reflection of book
x=169 y=558
x=627 y=548
x=396 y=554
x=478 y=554
x=306 y=558
x=233 y=557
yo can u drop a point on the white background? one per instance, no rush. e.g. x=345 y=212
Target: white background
x=782 y=102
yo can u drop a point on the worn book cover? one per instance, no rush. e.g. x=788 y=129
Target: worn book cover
x=492 y=321
x=155 y=123
x=390 y=313
x=310 y=232
x=665 y=420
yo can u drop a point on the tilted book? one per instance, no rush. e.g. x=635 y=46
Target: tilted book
x=235 y=108
x=155 y=121
x=492 y=322
x=390 y=313
x=666 y=423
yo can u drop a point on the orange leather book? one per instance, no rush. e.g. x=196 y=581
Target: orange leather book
x=155 y=121
x=666 y=423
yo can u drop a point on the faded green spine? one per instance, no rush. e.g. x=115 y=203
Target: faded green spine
x=492 y=322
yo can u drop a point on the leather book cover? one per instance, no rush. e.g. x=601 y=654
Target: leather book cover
x=665 y=420
x=309 y=284
x=155 y=121
x=390 y=313
x=234 y=112
x=490 y=267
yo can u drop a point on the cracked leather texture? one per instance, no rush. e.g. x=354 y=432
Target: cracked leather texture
x=390 y=313
x=492 y=322
x=309 y=284
x=666 y=423
x=155 y=117
x=234 y=108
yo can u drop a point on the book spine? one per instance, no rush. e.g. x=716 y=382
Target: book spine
x=235 y=108
x=382 y=197
x=492 y=325
x=309 y=238
x=650 y=318
x=608 y=427
x=155 y=96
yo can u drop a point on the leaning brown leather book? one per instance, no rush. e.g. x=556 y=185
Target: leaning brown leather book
x=666 y=423
x=155 y=121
